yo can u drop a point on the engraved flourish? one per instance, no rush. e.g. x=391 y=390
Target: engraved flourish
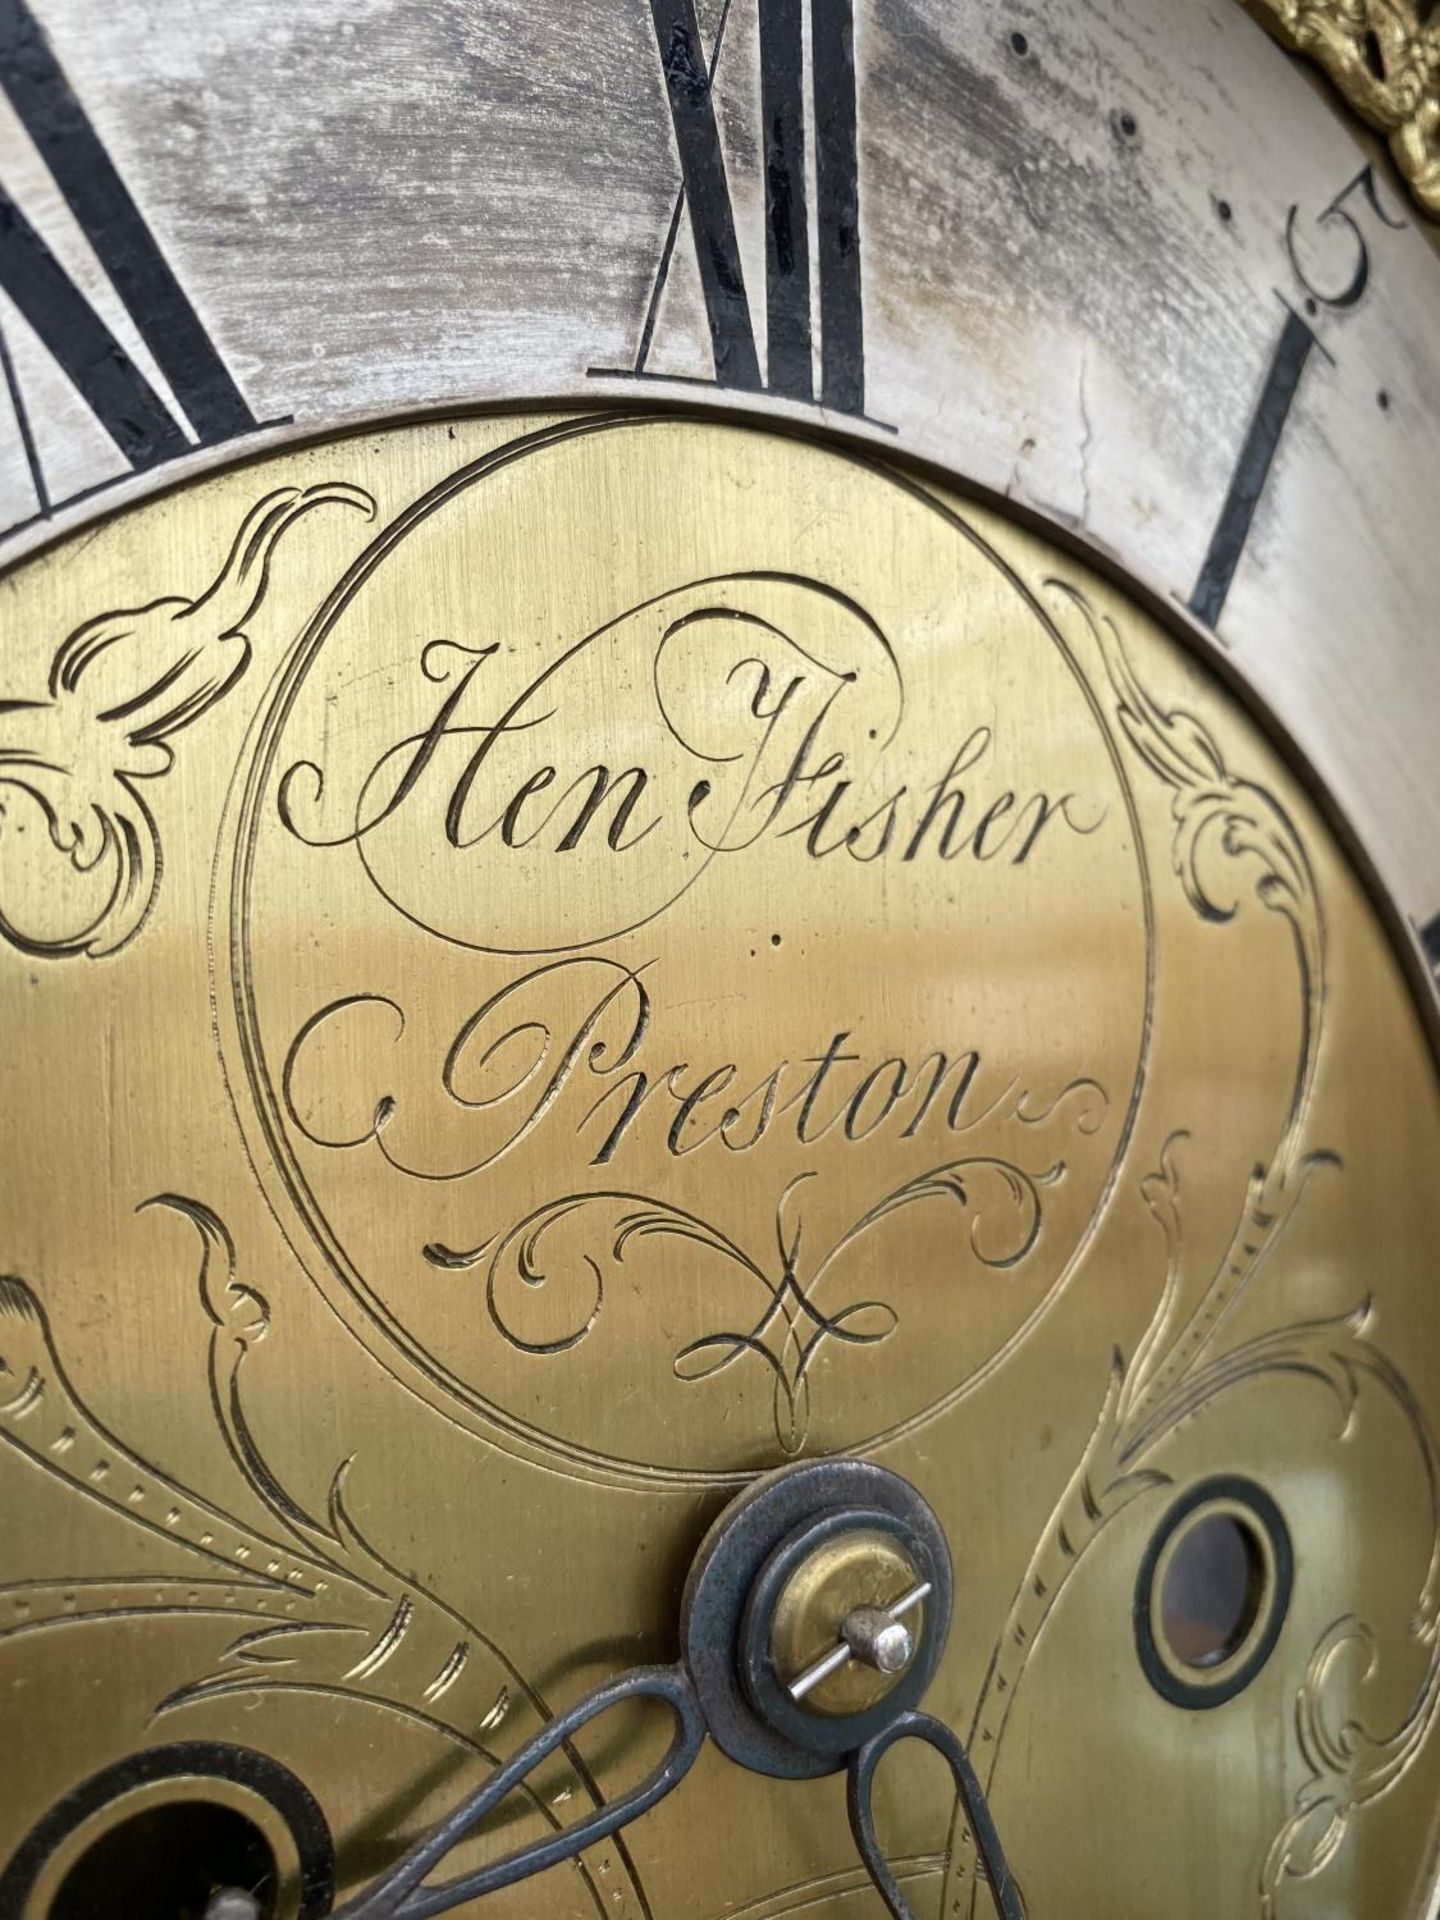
x=1348 y=1764
x=791 y=1327
x=1223 y=824
x=322 y=1611
x=120 y=688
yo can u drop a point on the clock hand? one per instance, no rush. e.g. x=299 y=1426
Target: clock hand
x=859 y=1787
x=802 y=1530
x=399 y=1894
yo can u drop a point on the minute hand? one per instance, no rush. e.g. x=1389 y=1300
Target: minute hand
x=725 y=1686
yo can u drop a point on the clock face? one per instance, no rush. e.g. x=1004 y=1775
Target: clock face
x=622 y=951
x=640 y=1026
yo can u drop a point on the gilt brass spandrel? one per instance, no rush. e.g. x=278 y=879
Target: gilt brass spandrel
x=436 y=1171
x=1384 y=58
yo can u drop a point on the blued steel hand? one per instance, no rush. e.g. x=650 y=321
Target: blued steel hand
x=401 y=1892
x=921 y=1726
x=727 y=1615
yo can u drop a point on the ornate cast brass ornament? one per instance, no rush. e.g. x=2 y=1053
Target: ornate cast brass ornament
x=1384 y=57
x=564 y=962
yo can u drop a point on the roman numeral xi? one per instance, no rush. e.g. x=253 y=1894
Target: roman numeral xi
x=141 y=424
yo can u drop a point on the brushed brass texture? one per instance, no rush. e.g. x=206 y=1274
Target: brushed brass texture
x=1384 y=57
x=553 y=963
x=861 y=1569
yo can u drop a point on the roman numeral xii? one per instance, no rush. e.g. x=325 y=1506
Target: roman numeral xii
x=795 y=312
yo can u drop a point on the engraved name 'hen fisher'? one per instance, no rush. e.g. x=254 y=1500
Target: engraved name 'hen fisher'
x=120 y=687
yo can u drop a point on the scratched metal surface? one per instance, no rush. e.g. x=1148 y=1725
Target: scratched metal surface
x=383 y=205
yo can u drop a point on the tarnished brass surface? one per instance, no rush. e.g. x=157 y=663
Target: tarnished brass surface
x=861 y=1569
x=553 y=963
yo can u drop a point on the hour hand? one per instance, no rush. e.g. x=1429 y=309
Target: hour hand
x=813 y=1620
x=922 y=1726
x=401 y=1892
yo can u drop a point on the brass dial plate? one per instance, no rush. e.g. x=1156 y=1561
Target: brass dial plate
x=553 y=963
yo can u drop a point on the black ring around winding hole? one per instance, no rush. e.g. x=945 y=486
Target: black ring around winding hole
x=183 y=1760
x=1267 y=1519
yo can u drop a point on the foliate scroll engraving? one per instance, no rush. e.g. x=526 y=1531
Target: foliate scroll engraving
x=635 y=858
x=120 y=689
x=1348 y=1762
x=320 y=1610
x=777 y=981
x=1233 y=843
x=1384 y=56
x=791 y=1326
